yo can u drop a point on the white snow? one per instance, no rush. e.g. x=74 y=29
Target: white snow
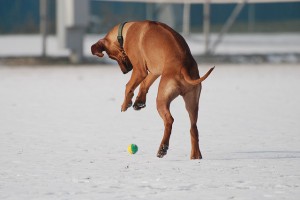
x=62 y=136
x=278 y=43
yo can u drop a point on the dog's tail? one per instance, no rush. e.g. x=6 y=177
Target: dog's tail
x=188 y=79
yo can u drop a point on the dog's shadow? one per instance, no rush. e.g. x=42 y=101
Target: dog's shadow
x=255 y=155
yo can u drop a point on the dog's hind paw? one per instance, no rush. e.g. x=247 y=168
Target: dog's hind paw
x=196 y=155
x=138 y=105
x=162 y=151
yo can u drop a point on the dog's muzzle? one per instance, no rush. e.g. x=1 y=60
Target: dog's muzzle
x=128 y=68
x=126 y=63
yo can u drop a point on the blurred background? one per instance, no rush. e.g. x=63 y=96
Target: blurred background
x=62 y=135
x=221 y=30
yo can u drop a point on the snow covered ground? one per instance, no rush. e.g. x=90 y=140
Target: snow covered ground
x=62 y=136
x=278 y=43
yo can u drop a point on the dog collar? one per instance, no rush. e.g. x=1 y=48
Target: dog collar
x=121 y=42
x=120 y=36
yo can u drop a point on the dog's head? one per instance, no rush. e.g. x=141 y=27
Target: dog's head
x=114 y=52
x=98 y=48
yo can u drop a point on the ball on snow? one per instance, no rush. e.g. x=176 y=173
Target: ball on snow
x=132 y=148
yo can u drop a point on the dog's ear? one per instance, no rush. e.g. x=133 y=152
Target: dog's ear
x=98 y=47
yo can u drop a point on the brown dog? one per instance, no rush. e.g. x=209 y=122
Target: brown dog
x=152 y=49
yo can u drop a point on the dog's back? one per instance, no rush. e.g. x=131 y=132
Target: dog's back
x=161 y=47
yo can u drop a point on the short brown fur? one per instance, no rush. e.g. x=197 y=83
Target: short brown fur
x=153 y=49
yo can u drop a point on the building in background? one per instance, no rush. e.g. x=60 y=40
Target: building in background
x=19 y=16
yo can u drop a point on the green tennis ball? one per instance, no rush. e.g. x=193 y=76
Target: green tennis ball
x=132 y=148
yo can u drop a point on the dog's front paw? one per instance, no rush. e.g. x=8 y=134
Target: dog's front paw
x=140 y=102
x=138 y=105
x=126 y=106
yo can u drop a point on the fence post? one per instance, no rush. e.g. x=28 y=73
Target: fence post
x=206 y=25
x=186 y=19
x=43 y=25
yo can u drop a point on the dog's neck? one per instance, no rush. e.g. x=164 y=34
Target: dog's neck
x=121 y=43
x=120 y=35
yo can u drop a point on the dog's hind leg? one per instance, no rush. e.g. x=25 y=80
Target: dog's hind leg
x=140 y=101
x=191 y=100
x=168 y=90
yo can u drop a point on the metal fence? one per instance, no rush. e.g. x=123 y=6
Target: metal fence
x=19 y=16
